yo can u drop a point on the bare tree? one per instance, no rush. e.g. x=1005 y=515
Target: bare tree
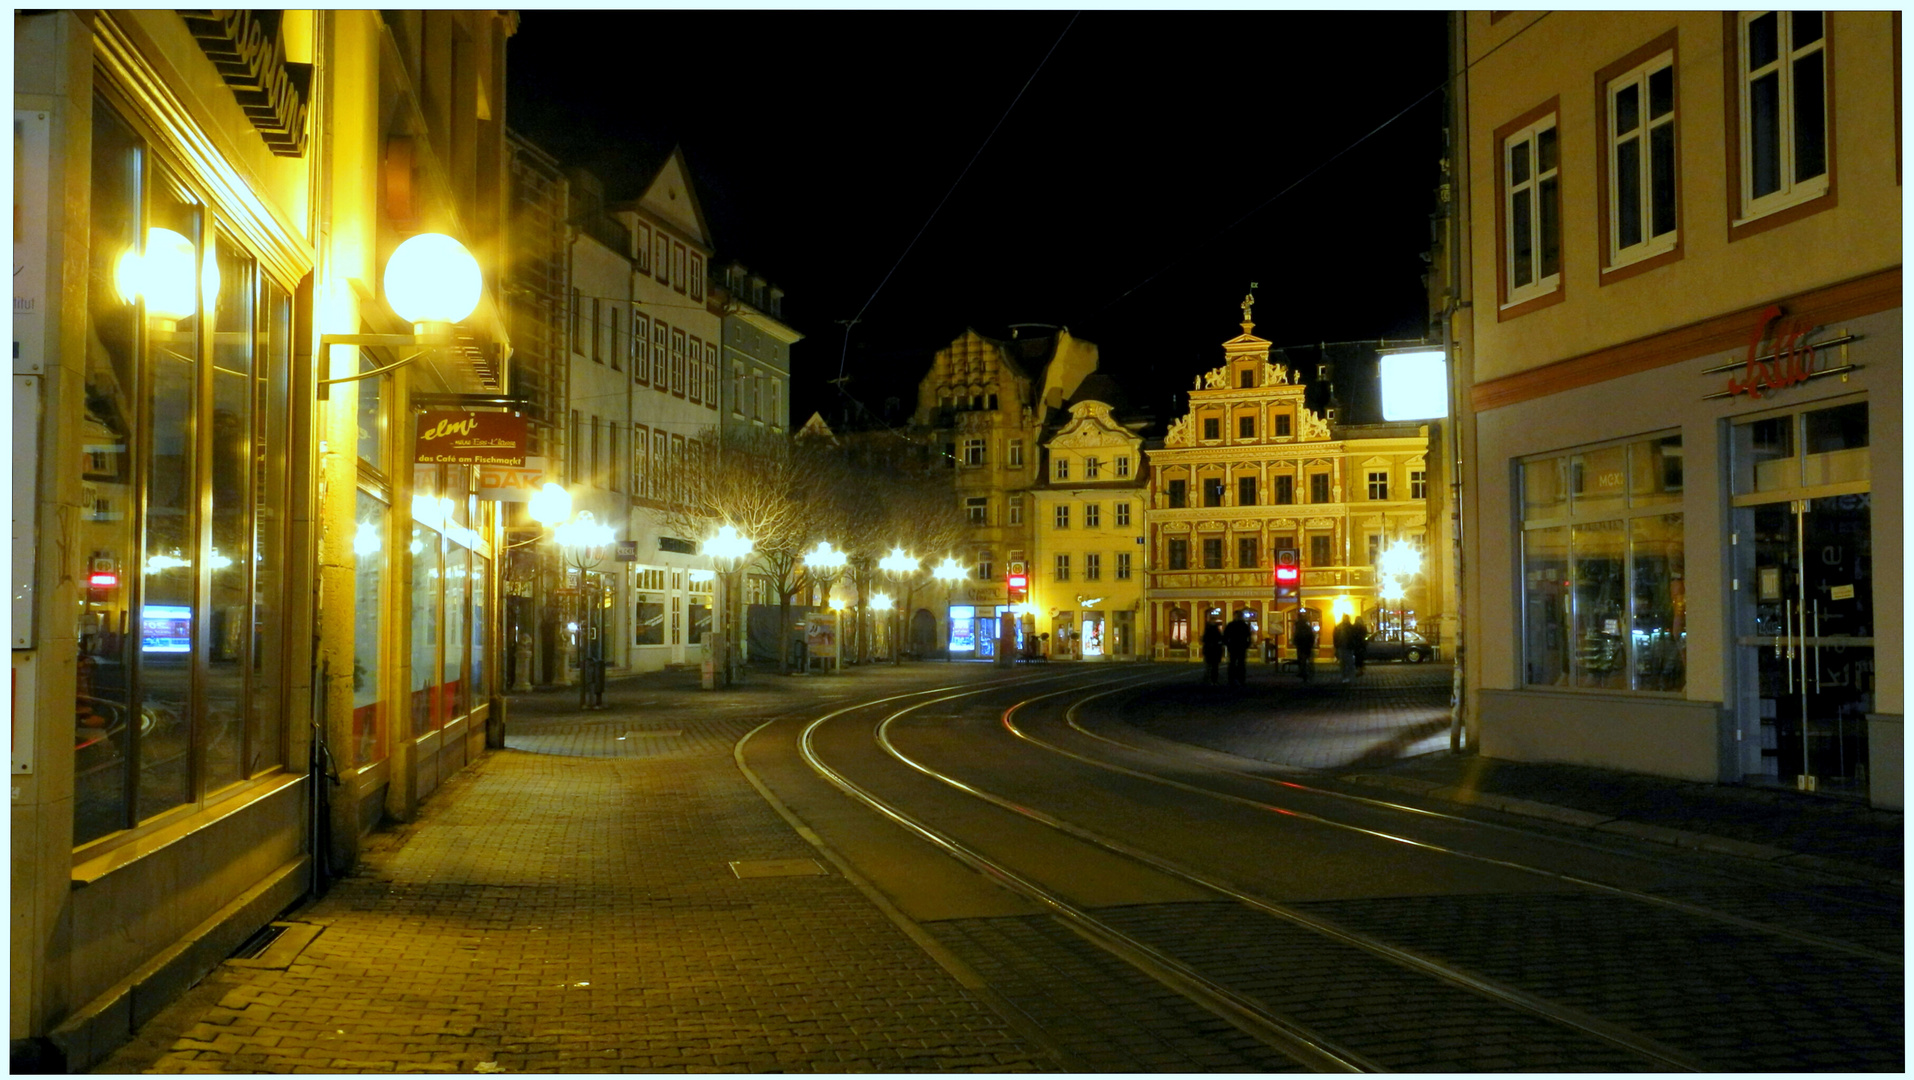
x=751 y=481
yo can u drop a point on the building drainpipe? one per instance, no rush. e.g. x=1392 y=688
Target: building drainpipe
x=1458 y=196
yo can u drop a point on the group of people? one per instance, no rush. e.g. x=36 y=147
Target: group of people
x=1350 y=637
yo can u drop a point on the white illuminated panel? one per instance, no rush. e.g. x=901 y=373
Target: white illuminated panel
x=1415 y=386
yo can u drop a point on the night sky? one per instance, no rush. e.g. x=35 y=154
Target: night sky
x=1133 y=193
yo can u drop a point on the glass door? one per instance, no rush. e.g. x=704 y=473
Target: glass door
x=1811 y=633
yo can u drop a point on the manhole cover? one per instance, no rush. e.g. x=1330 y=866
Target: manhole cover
x=777 y=868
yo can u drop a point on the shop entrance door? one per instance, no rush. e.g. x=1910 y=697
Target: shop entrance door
x=1808 y=621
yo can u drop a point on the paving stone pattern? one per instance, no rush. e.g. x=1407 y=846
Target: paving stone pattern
x=577 y=914
x=1736 y=999
x=1108 y=1015
x=1401 y=1019
x=1389 y=712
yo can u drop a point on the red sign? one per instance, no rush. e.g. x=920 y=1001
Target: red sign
x=1790 y=362
x=1287 y=575
x=470 y=438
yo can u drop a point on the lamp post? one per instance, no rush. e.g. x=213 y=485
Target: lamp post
x=550 y=506
x=882 y=602
x=583 y=541
x=823 y=564
x=950 y=574
x=1396 y=565
x=897 y=567
x=727 y=551
x=837 y=652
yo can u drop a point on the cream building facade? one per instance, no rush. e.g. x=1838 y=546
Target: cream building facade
x=1087 y=532
x=1251 y=471
x=1678 y=345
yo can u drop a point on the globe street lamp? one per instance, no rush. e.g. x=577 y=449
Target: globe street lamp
x=430 y=281
x=837 y=650
x=584 y=540
x=727 y=551
x=550 y=506
x=823 y=564
x=882 y=602
x=898 y=567
x=950 y=574
x=1396 y=565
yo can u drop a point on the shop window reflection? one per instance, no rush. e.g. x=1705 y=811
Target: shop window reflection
x=368 y=698
x=1604 y=606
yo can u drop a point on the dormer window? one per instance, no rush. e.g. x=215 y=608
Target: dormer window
x=1063 y=468
x=1246 y=379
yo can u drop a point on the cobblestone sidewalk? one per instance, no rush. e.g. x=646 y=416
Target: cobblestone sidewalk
x=557 y=912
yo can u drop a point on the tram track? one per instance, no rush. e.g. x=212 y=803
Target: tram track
x=1131 y=937
x=1696 y=910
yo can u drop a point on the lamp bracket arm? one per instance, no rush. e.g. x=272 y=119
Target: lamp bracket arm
x=389 y=340
x=323 y=383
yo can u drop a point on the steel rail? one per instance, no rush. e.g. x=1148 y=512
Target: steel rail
x=1307 y=1047
x=1446 y=816
x=1800 y=937
x=1663 y=1055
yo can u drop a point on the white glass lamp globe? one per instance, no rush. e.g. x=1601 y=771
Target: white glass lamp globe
x=431 y=278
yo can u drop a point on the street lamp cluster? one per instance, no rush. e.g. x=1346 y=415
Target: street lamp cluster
x=727 y=551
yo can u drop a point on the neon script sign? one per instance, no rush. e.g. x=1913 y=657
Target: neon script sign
x=1790 y=363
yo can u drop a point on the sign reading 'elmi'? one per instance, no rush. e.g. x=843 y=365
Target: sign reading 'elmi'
x=470 y=438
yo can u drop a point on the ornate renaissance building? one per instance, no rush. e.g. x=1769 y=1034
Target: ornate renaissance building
x=1250 y=472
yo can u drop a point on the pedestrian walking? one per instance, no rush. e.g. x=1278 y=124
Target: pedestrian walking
x=1344 y=640
x=1212 y=651
x=1236 y=639
x=1359 y=640
x=1305 y=636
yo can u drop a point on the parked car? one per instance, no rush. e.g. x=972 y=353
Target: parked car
x=1407 y=645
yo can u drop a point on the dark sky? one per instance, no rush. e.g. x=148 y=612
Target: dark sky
x=1108 y=201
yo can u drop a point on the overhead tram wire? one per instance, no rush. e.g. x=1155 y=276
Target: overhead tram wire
x=844 y=355
x=1298 y=182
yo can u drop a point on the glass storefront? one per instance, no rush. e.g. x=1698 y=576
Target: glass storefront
x=1604 y=605
x=183 y=477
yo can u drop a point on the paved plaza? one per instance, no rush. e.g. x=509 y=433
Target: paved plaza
x=570 y=903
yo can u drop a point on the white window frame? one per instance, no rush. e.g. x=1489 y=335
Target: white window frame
x=1091 y=468
x=1418 y=483
x=1015 y=458
x=1063 y=568
x=977 y=509
x=973 y=452
x=1093 y=567
x=1062 y=517
x=1791 y=192
x=1531 y=187
x=1122 y=515
x=1123 y=466
x=1092 y=515
x=1650 y=244
x=1062 y=468
x=1016 y=509
x=1378 y=484
x=1123 y=566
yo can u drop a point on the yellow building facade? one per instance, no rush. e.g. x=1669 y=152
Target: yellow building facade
x=1250 y=472
x=236 y=580
x=1676 y=308
x=986 y=400
x=1087 y=531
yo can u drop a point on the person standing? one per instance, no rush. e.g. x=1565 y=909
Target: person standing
x=1359 y=642
x=1305 y=637
x=1344 y=640
x=1236 y=640
x=1212 y=651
